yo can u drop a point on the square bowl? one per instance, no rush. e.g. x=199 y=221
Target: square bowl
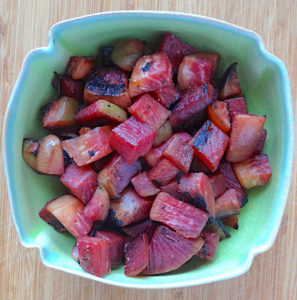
x=265 y=84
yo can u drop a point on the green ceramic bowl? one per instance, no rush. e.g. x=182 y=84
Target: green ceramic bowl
x=265 y=84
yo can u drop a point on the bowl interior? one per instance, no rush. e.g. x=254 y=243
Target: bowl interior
x=262 y=82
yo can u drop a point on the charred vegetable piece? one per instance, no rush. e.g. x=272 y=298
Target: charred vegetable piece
x=236 y=105
x=69 y=211
x=231 y=221
x=172 y=188
x=184 y=218
x=105 y=52
x=61 y=113
x=261 y=142
x=132 y=139
x=192 y=105
x=163 y=134
x=136 y=255
x=163 y=172
x=93 y=255
x=245 y=134
x=176 y=49
x=253 y=172
x=196 y=69
x=196 y=189
x=98 y=207
x=216 y=226
x=179 y=152
x=145 y=226
x=228 y=204
x=166 y=95
x=69 y=87
x=117 y=244
x=81 y=181
x=90 y=146
x=231 y=181
x=151 y=72
x=169 y=250
x=116 y=175
x=147 y=110
x=218 y=184
x=209 y=145
x=144 y=186
x=230 y=83
x=50 y=158
x=211 y=241
x=126 y=53
x=129 y=208
x=100 y=112
x=79 y=66
x=50 y=219
x=110 y=84
x=218 y=113
x=29 y=152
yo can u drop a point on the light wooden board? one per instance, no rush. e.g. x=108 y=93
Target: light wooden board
x=24 y=25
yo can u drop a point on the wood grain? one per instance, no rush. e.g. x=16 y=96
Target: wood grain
x=24 y=25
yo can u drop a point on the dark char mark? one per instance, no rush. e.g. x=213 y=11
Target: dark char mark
x=203 y=136
x=100 y=87
x=146 y=67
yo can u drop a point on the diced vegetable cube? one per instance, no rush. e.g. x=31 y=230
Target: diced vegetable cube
x=253 y=172
x=110 y=84
x=236 y=105
x=245 y=134
x=184 y=218
x=169 y=250
x=94 y=255
x=197 y=190
x=100 y=112
x=150 y=73
x=179 y=152
x=196 y=69
x=79 y=66
x=29 y=152
x=143 y=185
x=163 y=134
x=136 y=255
x=69 y=211
x=166 y=95
x=81 y=181
x=129 y=208
x=132 y=139
x=117 y=244
x=218 y=113
x=230 y=83
x=209 y=145
x=90 y=146
x=218 y=184
x=211 y=241
x=227 y=204
x=98 y=207
x=116 y=175
x=147 y=110
x=145 y=226
x=163 y=172
x=192 y=105
x=176 y=49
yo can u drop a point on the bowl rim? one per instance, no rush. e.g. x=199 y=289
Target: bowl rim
x=288 y=106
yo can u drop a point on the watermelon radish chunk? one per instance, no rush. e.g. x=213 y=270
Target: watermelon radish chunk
x=93 y=255
x=253 y=172
x=196 y=189
x=209 y=145
x=117 y=244
x=218 y=113
x=184 y=218
x=145 y=226
x=228 y=204
x=90 y=146
x=69 y=211
x=116 y=175
x=132 y=139
x=81 y=181
x=79 y=66
x=211 y=241
x=218 y=183
x=136 y=255
x=168 y=251
x=144 y=186
x=176 y=49
x=236 y=105
x=166 y=95
x=147 y=110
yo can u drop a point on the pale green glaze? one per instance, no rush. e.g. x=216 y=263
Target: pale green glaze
x=264 y=81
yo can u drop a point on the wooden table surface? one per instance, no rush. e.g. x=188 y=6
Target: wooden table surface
x=24 y=25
